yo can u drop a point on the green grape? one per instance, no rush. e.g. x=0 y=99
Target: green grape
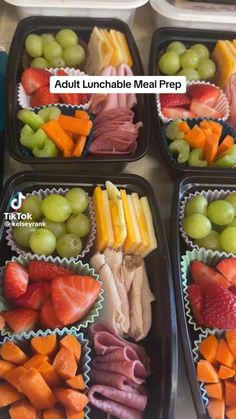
x=206 y=69
x=56 y=208
x=49 y=113
x=57 y=229
x=57 y=62
x=78 y=199
x=32 y=205
x=52 y=50
x=197 y=226
x=190 y=74
x=74 y=55
x=231 y=198
x=211 y=241
x=201 y=50
x=47 y=37
x=43 y=242
x=78 y=224
x=34 y=45
x=233 y=223
x=69 y=246
x=228 y=239
x=169 y=63
x=66 y=37
x=39 y=62
x=22 y=235
x=177 y=47
x=196 y=205
x=220 y=212
x=172 y=131
x=189 y=59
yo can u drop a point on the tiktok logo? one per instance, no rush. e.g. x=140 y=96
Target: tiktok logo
x=16 y=201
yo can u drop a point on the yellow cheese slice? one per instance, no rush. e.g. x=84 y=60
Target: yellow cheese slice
x=101 y=221
x=225 y=61
x=150 y=227
x=142 y=225
x=133 y=238
x=124 y=45
x=119 y=229
x=99 y=52
x=107 y=216
x=121 y=55
x=115 y=56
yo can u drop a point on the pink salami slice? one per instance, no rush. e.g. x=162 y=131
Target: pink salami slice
x=120 y=354
x=133 y=400
x=119 y=381
x=131 y=369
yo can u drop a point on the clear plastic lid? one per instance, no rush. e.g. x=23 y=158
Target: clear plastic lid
x=79 y=4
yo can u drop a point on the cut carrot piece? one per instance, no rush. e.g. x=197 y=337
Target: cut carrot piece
x=45 y=345
x=81 y=114
x=2 y=322
x=57 y=134
x=205 y=126
x=225 y=372
x=211 y=148
x=79 y=145
x=230 y=393
x=215 y=391
x=75 y=125
x=49 y=374
x=223 y=354
x=70 y=134
x=208 y=348
x=71 y=399
x=13 y=377
x=77 y=382
x=65 y=364
x=231 y=413
x=37 y=390
x=55 y=413
x=12 y=353
x=206 y=372
x=184 y=127
x=5 y=367
x=73 y=414
x=231 y=340
x=216 y=409
x=22 y=410
x=225 y=145
x=195 y=137
x=36 y=361
x=9 y=395
x=216 y=128
x=67 y=153
x=70 y=342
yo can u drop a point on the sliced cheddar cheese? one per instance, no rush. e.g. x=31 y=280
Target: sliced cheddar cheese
x=142 y=225
x=119 y=227
x=150 y=226
x=225 y=61
x=125 y=48
x=107 y=215
x=133 y=239
x=101 y=221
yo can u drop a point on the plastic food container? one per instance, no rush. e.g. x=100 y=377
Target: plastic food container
x=194 y=14
x=189 y=335
x=161 y=343
x=83 y=26
x=122 y=9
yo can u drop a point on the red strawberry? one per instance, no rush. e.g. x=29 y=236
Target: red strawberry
x=196 y=301
x=204 y=275
x=74 y=98
x=73 y=296
x=203 y=110
x=176 y=113
x=62 y=73
x=219 y=308
x=34 y=78
x=42 y=96
x=21 y=319
x=233 y=290
x=228 y=268
x=204 y=93
x=34 y=296
x=174 y=99
x=40 y=270
x=15 y=280
x=48 y=318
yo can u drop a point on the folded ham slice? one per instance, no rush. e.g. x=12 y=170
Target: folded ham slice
x=116 y=380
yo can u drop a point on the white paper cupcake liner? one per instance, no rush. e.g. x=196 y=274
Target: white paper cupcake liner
x=24 y=99
x=79 y=269
x=210 y=195
x=89 y=240
x=222 y=104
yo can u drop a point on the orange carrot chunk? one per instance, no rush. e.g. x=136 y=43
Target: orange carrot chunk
x=81 y=114
x=71 y=399
x=184 y=127
x=75 y=125
x=77 y=382
x=225 y=372
x=196 y=137
x=214 y=391
x=225 y=145
x=231 y=340
x=206 y=372
x=55 y=413
x=205 y=126
x=65 y=364
x=36 y=361
x=9 y=394
x=216 y=409
x=37 y=390
x=208 y=348
x=216 y=128
x=230 y=393
x=231 y=413
x=73 y=414
x=12 y=353
x=49 y=374
x=70 y=342
x=22 y=410
x=79 y=145
x=223 y=354
x=57 y=134
x=5 y=367
x=211 y=148
x=13 y=377
x=45 y=345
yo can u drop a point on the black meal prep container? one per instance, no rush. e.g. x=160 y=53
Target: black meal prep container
x=83 y=26
x=161 y=343
x=185 y=186
x=160 y=39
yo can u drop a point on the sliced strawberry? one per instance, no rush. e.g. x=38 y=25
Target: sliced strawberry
x=228 y=268
x=174 y=99
x=177 y=113
x=203 y=110
x=196 y=301
x=233 y=290
x=21 y=319
x=219 y=308
x=205 y=93
x=34 y=296
x=74 y=98
x=73 y=296
x=15 y=280
x=48 y=318
x=42 y=96
x=40 y=270
x=62 y=73
x=34 y=78
x=203 y=275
